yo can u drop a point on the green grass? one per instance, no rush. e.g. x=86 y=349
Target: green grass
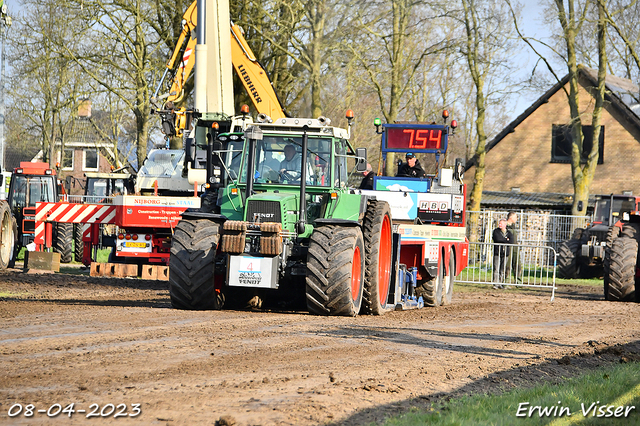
x=617 y=385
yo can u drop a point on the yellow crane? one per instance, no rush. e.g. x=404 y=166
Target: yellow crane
x=251 y=73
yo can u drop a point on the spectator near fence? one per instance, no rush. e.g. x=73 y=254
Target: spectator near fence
x=501 y=237
x=514 y=263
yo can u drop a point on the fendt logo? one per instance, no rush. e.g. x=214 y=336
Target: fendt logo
x=257 y=216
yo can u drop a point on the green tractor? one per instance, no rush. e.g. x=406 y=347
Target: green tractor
x=285 y=226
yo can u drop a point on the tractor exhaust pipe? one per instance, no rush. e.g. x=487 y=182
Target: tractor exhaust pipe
x=251 y=135
x=300 y=225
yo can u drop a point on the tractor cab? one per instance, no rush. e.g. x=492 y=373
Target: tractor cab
x=103 y=186
x=609 y=209
x=31 y=183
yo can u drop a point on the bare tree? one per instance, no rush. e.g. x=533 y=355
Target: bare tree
x=45 y=84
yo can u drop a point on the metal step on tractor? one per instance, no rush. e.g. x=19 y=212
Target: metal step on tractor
x=585 y=255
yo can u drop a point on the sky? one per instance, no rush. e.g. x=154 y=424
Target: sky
x=531 y=25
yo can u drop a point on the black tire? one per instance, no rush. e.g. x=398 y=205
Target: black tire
x=78 y=244
x=447 y=286
x=431 y=290
x=7 y=236
x=624 y=253
x=335 y=271
x=378 y=248
x=191 y=265
x=612 y=234
x=568 y=259
x=16 y=247
x=631 y=230
x=577 y=233
x=63 y=241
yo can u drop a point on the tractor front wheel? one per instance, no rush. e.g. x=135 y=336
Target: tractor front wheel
x=378 y=247
x=568 y=259
x=335 y=271
x=192 y=264
x=7 y=236
x=63 y=241
x=612 y=234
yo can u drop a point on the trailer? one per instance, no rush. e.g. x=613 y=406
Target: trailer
x=428 y=213
x=143 y=228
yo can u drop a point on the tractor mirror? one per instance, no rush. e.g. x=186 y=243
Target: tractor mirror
x=361 y=159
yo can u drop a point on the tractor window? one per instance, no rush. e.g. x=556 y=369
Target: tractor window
x=340 y=164
x=279 y=160
x=29 y=190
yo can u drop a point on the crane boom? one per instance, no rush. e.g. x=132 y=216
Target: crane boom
x=251 y=73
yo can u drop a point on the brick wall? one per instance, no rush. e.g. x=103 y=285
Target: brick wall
x=522 y=158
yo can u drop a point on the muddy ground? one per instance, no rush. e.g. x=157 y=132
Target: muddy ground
x=75 y=339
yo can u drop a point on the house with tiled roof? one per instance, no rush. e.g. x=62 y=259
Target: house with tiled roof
x=529 y=160
x=84 y=150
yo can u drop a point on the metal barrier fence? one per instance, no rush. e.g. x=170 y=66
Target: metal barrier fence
x=521 y=265
x=538 y=229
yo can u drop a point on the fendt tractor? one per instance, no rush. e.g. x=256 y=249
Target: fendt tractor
x=585 y=255
x=286 y=227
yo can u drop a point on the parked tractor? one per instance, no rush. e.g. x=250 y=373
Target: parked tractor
x=585 y=254
x=32 y=183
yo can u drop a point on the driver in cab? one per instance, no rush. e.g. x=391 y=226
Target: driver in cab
x=292 y=162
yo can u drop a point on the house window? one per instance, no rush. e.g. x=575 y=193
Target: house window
x=67 y=159
x=90 y=159
x=561 y=138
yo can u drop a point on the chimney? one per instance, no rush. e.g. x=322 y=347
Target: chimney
x=84 y=108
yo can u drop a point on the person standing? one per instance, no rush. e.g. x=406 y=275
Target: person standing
x=501 y=237
x=367 y=180
x=513 y=263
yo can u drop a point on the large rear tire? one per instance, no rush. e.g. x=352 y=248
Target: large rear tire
x=191 y=265
x=612 y=234
x=7 y=237
x=63 y=241
x=335 y=271
x=378 y=247
x=568 y=259
x=78 y=244
x=624 y=253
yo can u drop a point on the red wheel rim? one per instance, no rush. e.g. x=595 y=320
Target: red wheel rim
x=356 y=274
x=384 y=260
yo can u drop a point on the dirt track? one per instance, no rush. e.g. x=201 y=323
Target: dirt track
x=74 y=339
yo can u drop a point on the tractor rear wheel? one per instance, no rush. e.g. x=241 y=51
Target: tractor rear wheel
x=78 y=244
x=7 y=237
x=568 y=259
x=335 y=271
x=191 y=265
x=63 y=241
x=624 y=252
x=432 y=290
x=612 y=234
x=378 y=247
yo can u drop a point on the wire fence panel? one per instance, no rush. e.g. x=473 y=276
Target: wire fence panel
x=545 y=229
x=520 y=265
